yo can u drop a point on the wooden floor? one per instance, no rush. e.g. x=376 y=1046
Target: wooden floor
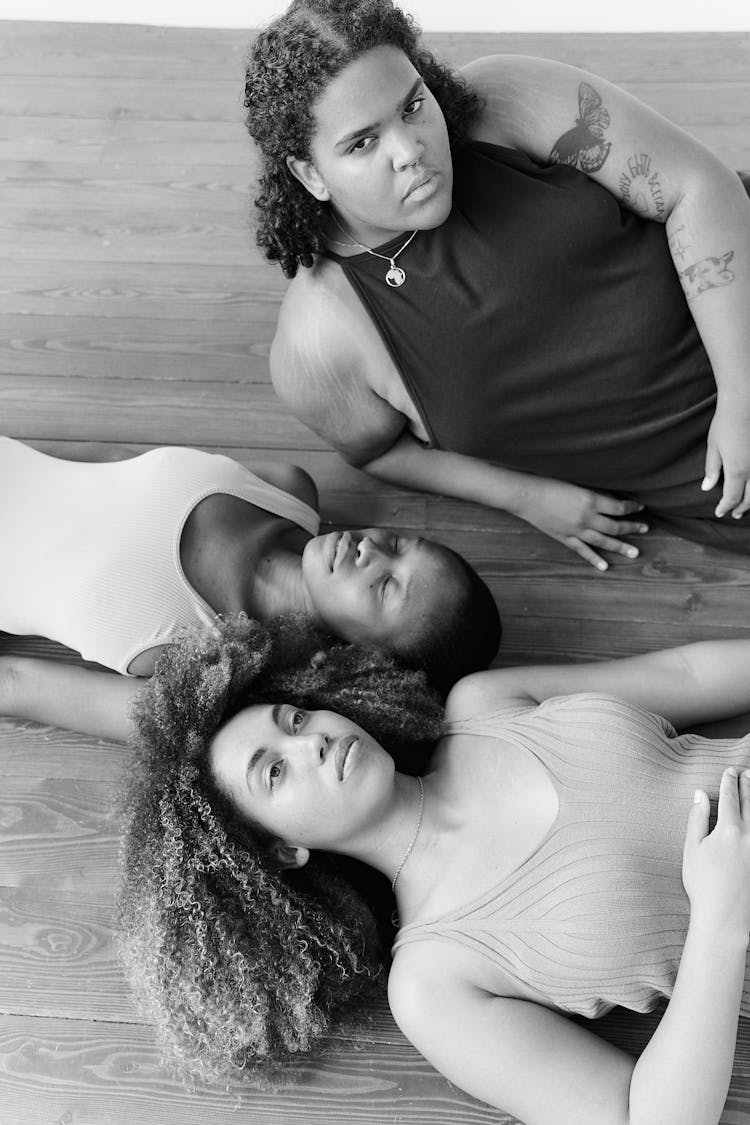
x=135 y=310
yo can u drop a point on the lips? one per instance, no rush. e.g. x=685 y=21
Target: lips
x=419 y=182
x=343 y=758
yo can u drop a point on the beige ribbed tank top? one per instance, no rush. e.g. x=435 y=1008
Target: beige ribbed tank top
x=597 y=916
x=90 y=553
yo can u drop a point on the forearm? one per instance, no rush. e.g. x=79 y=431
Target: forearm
x=709 y=239
x=68 y=696
x=411 y=465
x=683 y=1076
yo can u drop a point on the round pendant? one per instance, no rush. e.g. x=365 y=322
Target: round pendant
x=395 y=277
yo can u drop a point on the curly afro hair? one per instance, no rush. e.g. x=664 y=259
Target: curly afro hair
x=290 y=64
x=238 y=964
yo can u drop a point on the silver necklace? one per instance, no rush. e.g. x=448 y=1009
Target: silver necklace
x=395 y=276
x=408 y=851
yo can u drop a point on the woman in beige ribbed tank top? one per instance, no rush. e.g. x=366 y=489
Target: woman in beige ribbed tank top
x=537 y=867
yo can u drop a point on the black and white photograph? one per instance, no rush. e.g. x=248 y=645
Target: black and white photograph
x=374 y=563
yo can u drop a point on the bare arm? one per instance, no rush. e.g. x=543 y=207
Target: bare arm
x=532 y=1062
x=558 y=113
x=321 y=371
x=689 y=684
x=69 y=696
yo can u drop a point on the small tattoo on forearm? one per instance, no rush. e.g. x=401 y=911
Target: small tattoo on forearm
x=708 y=273
x=640 y=188
x=678 y=243
x=582 y=146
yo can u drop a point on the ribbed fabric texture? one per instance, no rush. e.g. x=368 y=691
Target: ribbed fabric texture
x=543 y=327
x=598 y=915
x=90 y=553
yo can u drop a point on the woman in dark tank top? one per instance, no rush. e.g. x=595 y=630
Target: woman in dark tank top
x=517 y=292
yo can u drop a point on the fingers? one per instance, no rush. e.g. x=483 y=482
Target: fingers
x=713 y=468
x=729 y=797
x=582 y=549
x=611 y=506
x=732 y=495
x=745 y=795
x=744 y=504
x=697 y=827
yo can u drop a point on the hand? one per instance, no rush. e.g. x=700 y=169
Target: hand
x=581 y=519
x=728 y=451
x=716 y=865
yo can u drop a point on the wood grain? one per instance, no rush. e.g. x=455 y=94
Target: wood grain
x=136 y=309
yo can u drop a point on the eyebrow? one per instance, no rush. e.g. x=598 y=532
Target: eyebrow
x=258 y=754
x=353 y=136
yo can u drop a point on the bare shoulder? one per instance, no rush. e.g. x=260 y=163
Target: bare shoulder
x=292 y=479
x=482 y=692
x=327 y=364
x=526 y=99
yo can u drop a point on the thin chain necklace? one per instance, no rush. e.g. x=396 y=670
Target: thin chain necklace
x=396 y=275
x=408 y=851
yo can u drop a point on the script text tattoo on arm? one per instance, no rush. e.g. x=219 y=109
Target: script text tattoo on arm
x=640 y=187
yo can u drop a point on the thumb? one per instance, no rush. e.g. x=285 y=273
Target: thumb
x=697 y=826
x=713 y=468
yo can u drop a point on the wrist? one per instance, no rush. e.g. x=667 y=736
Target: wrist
x=717 y=940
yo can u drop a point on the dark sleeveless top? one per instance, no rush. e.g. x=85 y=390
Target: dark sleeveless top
x=543 y=327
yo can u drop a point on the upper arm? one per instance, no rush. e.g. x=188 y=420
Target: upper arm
x=662 y=682
x=319 y=370
x=560 y=114
x=514 y=1054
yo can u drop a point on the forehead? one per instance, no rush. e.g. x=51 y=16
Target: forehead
x=372 y=85
x=236 y=740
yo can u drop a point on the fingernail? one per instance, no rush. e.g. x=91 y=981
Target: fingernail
x=601 y=566
x=697 y=797
x=643 y=528
x=706 y=484
x=632 y=553
x=736 y=515
x=732 y=771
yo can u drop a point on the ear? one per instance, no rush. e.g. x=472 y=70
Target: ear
x=287 y=856
x=308 y=175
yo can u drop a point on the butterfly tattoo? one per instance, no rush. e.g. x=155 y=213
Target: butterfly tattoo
x=582 y=146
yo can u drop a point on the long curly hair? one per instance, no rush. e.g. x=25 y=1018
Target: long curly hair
x=238 y=964
x=290 y=64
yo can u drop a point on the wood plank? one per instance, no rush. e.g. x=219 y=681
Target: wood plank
x=709 y=100
x=154 y=411
x=57 y=957
x=133 y=348
x=246 y=293
x=58 y=832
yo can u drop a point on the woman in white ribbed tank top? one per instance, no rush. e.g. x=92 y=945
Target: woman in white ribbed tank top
x=114 y=559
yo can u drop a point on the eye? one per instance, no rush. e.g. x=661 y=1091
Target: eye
x=414 y=106
x=396 y=543
x=361 y=145
x=384 y=585
x=274 y=774
x=296 y=719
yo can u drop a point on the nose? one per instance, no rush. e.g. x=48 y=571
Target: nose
x=407 y=149
x=314 y=746
x=367 y=548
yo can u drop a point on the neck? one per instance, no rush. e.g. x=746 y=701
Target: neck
x=347 y=236
x=384 y=844
x=276 y=585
